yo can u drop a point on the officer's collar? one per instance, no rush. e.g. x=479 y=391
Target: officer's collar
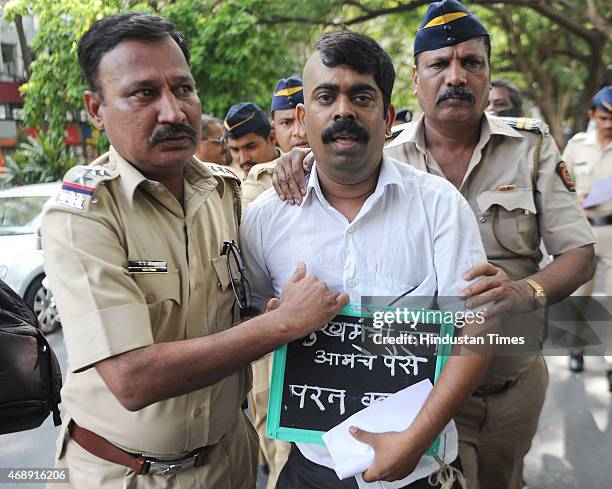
x=132 y=178
x=498 y=126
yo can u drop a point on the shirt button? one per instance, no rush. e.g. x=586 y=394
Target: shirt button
x=526 y=212
x=197 y=412
x=351 y=283
x=150 y=298
x=483 y=219
x=349 y=230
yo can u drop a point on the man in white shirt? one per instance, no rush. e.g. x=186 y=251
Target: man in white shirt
x=370 y=226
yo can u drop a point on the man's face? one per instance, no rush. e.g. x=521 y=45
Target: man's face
x=603 y=122
x=452 y=83
x=213 y=147
x=344 y=120
x=250 y=149
x=499 y=100
x=288 y=132
x=148 y=106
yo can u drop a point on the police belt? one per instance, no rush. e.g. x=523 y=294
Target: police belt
x=101 y=448
x=600 y=221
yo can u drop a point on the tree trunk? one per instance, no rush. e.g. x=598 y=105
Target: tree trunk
x=23 y=44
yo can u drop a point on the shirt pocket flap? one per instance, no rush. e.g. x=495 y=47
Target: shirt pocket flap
x=223 y=276
x=158 y=287
x=509 y=200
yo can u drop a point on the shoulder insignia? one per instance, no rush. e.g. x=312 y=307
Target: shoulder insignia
x=221 y=171
x=565 y=176
x=261 y=169
x=527 y=124
x=80 y=183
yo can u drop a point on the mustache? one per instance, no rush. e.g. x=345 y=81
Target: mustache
x=345 y=127
x=456 y=92
x=172 y=130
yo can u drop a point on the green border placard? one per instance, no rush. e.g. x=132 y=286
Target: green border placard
x=273 y=428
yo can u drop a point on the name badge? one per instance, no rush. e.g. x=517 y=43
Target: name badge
x=147 y=266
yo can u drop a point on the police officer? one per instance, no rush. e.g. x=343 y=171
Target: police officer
x=250 y=136
x=589 y=158
x=512 y=176
x=505 y=99
x=140 y=249
x=289 y=92
x=213 y=146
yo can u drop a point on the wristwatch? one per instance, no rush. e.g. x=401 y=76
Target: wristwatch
x=540 y=296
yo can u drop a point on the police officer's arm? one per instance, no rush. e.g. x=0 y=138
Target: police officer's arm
x=147 y=375
x=566 y=234
x=107 y=325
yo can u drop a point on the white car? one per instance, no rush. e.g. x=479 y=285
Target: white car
x=21 y=262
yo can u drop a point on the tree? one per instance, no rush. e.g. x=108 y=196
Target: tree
x=559 y=48
x=233 y=57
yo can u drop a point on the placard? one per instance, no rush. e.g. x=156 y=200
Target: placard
x=353 y=361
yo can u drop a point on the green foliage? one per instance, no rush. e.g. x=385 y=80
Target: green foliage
x=234 y=58
x=44 y=159
x=240 y=48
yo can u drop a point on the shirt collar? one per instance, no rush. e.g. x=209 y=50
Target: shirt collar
x=490 y=125
x=131 y=178
x=499 y=126
x=389 y=175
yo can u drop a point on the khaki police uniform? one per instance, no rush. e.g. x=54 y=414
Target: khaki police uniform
x=235 y=167
x=275 y=452
x=257 y=181
x=588 y=161
x=495 y=430
x=130 y=267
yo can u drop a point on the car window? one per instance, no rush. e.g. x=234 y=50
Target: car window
x=20 y=215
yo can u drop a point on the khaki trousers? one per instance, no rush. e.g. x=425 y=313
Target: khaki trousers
x=230 y=464
x=275 y=452
x=495 y=431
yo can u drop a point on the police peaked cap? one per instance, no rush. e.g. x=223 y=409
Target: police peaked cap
x=244 y=118
x=603 y=99
x=288 y=93
x=447 y=23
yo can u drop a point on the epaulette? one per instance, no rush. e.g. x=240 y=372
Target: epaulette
x=221 y=171
x=224 y=172
x=261 y=169
x=527 y=124
x=80 y=183
x=579 y=136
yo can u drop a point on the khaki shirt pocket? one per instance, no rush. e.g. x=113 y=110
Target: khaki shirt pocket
x=160 y=291
x=228 y=311
x=509 y=218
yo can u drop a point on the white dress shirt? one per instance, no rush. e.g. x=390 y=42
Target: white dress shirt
x=414 y=232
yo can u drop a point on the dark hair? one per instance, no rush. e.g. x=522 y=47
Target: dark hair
x=263 y=131
x=362 y=54
x=486 y=40
x=513 y=92
x=206 y=121
x=106 y=33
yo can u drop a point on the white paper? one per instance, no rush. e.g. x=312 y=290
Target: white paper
x=601 y=191
x=395 y=413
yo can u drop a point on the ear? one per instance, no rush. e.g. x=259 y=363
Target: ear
x=272 y=137
x=591 y=113
x=300 y=115
x=93 y=102
x=415 y=80
x=390 y=120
